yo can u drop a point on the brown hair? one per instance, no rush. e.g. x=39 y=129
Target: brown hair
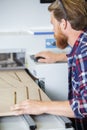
x=75 y=11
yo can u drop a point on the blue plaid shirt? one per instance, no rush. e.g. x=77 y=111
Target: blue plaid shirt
x=77 y=63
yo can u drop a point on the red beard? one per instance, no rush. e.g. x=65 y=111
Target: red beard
x=61 y=40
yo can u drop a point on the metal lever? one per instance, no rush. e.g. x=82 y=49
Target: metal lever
x=30 y=121
x=66 y=121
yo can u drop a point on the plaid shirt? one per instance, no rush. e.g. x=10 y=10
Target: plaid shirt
x=77 y=63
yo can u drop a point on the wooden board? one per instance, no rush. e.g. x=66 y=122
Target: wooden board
x=16 y=86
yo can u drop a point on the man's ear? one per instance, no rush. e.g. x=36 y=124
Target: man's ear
x=63 y=24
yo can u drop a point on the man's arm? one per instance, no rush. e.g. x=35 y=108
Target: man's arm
x=33 y=107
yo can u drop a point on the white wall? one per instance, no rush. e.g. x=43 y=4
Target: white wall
x=22 y=14
x=16 y=19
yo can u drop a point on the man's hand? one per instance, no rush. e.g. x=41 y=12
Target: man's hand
x=51 y=57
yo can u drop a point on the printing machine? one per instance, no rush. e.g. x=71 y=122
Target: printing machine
x=11 y=60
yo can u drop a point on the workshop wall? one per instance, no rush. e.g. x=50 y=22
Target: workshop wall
x=17 y=18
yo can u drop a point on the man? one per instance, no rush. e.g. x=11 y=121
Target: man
x=51 y=57
x=69 y=19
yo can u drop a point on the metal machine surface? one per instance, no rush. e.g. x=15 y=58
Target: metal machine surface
x=43 y=122
x=53 y=77
x=15 y=86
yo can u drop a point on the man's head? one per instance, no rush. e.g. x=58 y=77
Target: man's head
x=73 y=12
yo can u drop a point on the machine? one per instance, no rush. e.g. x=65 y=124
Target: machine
x=15 y=85
x=53 y=77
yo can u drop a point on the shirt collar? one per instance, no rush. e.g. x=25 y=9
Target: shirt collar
x=76 y=44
